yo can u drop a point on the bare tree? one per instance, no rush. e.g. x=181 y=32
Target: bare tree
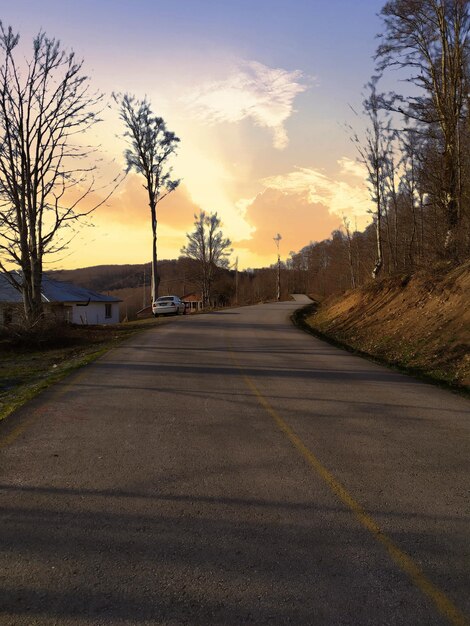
x=151 y=145
x=208 y=246
x=430 y=39
x=44 y=104
x=373 y=152
x=347 y=229
x=412 y=196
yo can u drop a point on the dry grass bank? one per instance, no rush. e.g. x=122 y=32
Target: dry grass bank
x=421 y=323
x=26 y=368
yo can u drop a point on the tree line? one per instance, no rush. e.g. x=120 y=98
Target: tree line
x=46 y=173
x=415 y=150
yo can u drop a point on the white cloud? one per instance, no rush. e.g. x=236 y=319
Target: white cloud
x=347 y=196
x=350 y=166
x=257 y=92
x=243 y=204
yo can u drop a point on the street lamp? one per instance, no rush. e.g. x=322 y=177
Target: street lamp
x=276 y=240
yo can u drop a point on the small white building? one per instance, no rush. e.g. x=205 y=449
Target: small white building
x=193 y=302
x=62 y=300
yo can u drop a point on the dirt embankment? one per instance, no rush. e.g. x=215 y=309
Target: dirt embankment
x=420 y=323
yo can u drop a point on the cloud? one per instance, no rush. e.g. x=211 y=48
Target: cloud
x=304 y=205
x=129 y=205
x=257 y=92
x=350 y=166
x=291 y=213
x=346 y=196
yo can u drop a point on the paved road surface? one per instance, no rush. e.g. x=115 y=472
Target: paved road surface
x=229 y=469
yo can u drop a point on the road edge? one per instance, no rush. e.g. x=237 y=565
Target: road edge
x=299 y=319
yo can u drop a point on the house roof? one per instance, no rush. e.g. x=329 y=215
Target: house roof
x=54 y=291
x=7 y=292
x=192 y=297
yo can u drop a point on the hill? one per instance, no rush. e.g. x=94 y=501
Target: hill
x=421 y=322
x=131 y=283
x=108 y=277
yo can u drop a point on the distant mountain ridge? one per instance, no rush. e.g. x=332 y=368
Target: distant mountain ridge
x=109 y=277
x=131 y=283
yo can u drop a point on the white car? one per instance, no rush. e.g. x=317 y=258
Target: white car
x=168 y=305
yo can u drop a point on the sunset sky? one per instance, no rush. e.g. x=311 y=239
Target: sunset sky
x=258 y=91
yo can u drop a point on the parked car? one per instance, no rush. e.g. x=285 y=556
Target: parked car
x=168 y=305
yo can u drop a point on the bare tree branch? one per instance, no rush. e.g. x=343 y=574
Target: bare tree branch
x=40 y=114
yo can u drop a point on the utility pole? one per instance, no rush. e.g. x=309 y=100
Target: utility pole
x=277 y=239
x=236 y=281
x=144 y=299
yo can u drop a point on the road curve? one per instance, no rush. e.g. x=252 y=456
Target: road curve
x=229 y=469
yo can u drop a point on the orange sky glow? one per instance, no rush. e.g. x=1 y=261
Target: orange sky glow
x=260 y=113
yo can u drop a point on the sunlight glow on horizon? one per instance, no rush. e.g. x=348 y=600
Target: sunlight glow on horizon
x=256 y=145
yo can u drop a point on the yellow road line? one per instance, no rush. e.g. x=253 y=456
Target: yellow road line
x=444 y=605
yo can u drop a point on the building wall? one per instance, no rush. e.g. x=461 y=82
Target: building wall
x=11 y=314
x=193 y=306
x=94 y=313
x=193 y=303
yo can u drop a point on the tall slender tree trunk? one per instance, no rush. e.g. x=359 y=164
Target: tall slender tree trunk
x=379 y=250
x=32 y=298
x=155 y=277
x=36 y=276
x=411 y=245
x=391 y=263
x=350 y=253
x=351 y=265
x=421 y=218
x=31 y=268
x=451 y=204
x=378 y=231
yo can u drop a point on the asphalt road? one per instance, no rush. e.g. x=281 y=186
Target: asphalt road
x=229 y=469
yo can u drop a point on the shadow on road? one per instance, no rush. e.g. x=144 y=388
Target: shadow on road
x=263 y=566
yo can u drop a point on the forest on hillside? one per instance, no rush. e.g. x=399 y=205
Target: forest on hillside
x=132 y=283
x=413 y=144
x=416 y=152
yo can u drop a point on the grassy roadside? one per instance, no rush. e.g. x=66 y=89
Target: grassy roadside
x=25 y=371
x=305 y=319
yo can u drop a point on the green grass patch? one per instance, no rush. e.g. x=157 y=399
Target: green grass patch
x=25 y=370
